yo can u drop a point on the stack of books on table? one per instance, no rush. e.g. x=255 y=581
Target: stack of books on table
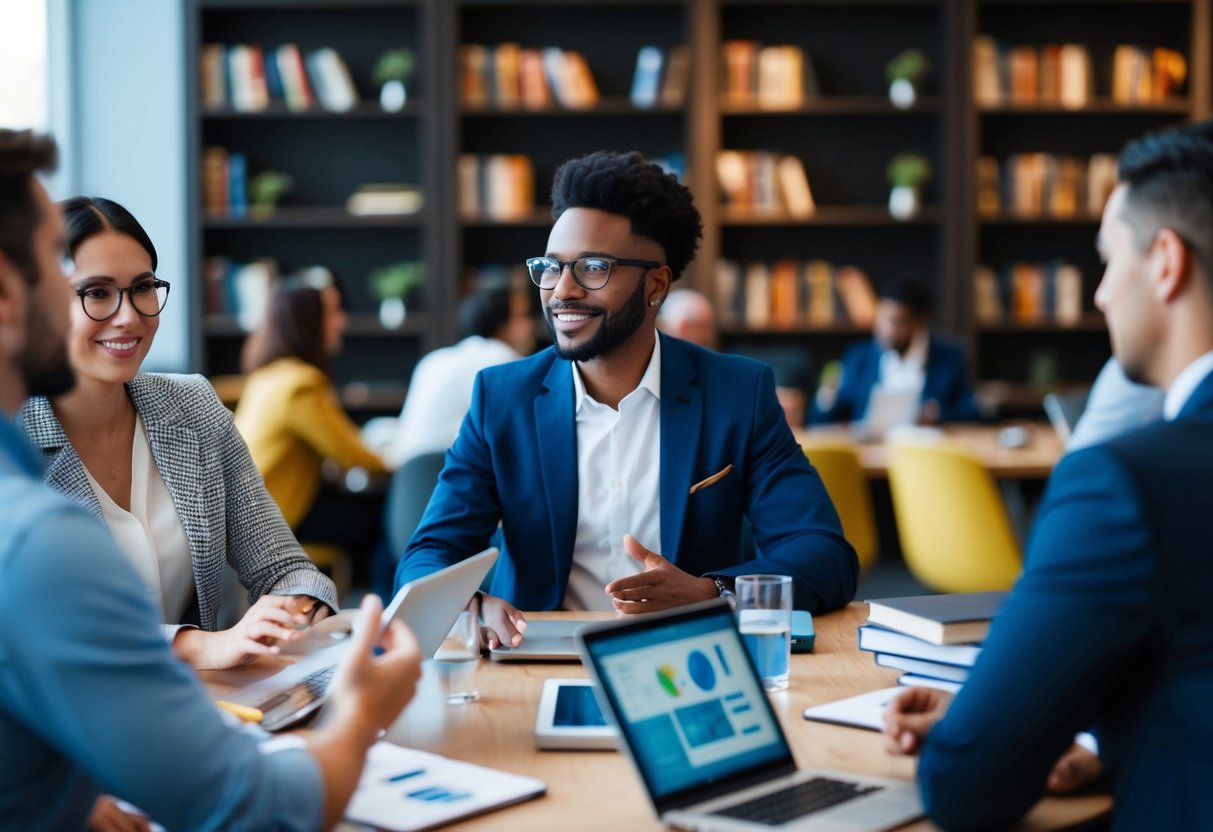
x=934 y=639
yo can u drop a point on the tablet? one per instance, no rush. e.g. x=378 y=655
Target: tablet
x=546 y=640
x=569 y=717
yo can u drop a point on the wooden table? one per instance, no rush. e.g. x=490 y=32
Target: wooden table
x=1033 y=461
x=599 y=790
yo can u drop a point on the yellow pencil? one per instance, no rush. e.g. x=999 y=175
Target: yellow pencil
x=243 y=711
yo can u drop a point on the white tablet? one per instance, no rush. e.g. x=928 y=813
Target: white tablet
x=569 y=717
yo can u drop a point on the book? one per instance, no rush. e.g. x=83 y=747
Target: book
x=863 y=711
x=385 y=198
x=646 y=82
x=858 y=297
x=940 y=619
x=331 y=80
x=875 y=639
x=295 y=86
x=913 y=680
x=677 y=77
x=922 y=667
x=212 y=60
x=408 y=790
x=794 y=187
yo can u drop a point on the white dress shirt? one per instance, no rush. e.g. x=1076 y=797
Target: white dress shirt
x=906 y=373
x=618 y=479
x=440 y=393
x=1185 y=385
x=151 y=534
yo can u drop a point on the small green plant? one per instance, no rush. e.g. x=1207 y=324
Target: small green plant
x=395 y=65
x=397 y=279
x=908 y=170
x=267 y=187
x=911 y=65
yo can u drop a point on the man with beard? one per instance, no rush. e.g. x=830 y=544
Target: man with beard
x=621 y=463
x=91 y=697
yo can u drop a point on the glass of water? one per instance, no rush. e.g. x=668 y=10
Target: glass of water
x=764 y=616
x=457 y=658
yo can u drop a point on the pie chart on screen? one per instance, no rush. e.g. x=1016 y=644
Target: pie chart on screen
x=666 y=678
x=701 y=671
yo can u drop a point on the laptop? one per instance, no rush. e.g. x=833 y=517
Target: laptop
x=693 y=717
x=886 y=410
x=545 y=641
x=428 y=605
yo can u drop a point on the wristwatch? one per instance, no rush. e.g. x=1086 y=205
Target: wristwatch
x=724 y=588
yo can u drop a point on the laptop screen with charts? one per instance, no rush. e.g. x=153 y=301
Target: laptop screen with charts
x=693 y=717
x=428 y=605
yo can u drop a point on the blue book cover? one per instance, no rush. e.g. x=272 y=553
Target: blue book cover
x=237 y=177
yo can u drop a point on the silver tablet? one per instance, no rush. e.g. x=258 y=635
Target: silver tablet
x=569 y=717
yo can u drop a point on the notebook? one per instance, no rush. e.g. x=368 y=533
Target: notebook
x=697 y=725
x=958 y=618
x=428 y=605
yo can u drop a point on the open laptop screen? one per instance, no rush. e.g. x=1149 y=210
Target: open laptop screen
x=688 y=701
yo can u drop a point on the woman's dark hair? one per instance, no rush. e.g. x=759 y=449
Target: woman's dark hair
x=293 y=327
x=88 y=216
x=657 y=204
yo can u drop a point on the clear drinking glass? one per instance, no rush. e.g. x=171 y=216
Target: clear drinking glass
x=764 y=616
x=457 y=658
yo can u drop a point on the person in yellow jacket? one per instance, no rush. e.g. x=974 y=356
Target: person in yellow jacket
x=290 y=416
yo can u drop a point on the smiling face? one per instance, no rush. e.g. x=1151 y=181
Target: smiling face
x=586 y=324
x=110 y=351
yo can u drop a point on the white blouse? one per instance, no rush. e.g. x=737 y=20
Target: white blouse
x=151 y=533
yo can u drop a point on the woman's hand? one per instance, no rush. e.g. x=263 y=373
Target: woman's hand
x=267 y=622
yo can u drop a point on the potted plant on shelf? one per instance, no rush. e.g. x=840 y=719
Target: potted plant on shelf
x=907 y=173
x=392 y=72
x=266 y=188
x=391 y=286
x=905 y=72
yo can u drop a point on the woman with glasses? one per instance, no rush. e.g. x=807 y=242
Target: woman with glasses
x=158 y=459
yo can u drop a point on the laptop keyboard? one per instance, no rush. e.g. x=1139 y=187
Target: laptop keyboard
x=313 y=686
x=796 y=801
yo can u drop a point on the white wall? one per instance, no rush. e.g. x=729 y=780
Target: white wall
x=122 y=70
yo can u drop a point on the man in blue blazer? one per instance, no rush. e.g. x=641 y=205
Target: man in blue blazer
x=620 y=464
x=903 y=355
x=1111 y=624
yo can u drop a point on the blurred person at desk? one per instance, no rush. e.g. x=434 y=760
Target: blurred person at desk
x=157 y=458
x=91 y=698
x=497 y=327
x=904 y=356
x=689 y=315
x=619 y=462
x=292 y=419
x=1109 y=626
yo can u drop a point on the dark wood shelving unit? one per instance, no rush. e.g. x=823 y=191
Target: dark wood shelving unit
x=837 y=105
x=315 y=217
x=277 y=109
x=854 y=215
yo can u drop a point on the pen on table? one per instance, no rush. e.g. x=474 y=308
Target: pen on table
x=244 y=712
x=396 y=778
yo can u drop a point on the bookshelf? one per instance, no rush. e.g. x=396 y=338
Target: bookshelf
x=329 y=154
x=844 y=135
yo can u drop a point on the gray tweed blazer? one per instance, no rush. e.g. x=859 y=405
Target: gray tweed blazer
x=219 y=494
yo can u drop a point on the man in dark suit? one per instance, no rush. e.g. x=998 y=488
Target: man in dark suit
x=904 y=355
x=620 y=463
x=1110 y=625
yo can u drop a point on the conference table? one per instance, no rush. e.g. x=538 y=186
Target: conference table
x=1034 y=460
x=599 y=790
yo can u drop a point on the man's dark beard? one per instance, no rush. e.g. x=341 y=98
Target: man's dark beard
x=615 y=328
x=44 y=363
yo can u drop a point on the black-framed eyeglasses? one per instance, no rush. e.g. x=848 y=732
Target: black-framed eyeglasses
x=589 y=272
x=102 y=301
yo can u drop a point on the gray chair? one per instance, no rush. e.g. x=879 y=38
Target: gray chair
x=407 y=497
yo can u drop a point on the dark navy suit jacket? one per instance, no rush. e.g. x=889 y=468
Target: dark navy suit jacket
x=515 y=460
x=947 y=382
x=1110 y=626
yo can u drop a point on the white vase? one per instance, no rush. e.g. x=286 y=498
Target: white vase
x=903 y=202
x=902 y=94
x=392 y=96
x=392 y=313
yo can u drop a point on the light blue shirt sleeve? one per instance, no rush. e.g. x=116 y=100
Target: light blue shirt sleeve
x=88 y=683
x=1115 y=406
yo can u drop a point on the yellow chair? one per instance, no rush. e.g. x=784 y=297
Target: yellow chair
x=953 y=525
x=838 y=465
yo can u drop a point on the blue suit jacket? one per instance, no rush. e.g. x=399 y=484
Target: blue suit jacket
x=515 y=460
x=947 y=382
x=1110 y=626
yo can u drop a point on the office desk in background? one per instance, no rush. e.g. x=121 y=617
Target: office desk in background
x=599 y=790
x=1034 y=461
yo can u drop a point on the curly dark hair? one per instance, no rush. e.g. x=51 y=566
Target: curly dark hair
x=657 y=204
x=22 y=154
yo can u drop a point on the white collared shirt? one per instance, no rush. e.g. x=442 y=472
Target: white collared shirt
x=151 y=534
x=1185 y=385
x=906 y=373
x=618 y=480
